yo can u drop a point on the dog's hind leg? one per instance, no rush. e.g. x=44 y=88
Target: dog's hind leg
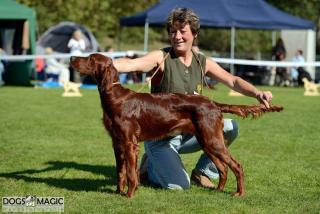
x=223 y=173
x=222 y=158
x=210 y=135
x=240 y=177
x=222 y=167
x=236 y=168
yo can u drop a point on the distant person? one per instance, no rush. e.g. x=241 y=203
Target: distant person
x=294 y=73
x=76 y=45
x=2 y=66
x=53 y=67
x=279 y=54
x=279 y=51
x=40 y=64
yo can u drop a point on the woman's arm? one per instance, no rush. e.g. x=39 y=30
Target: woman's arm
x=145 y=63
x=236 y=83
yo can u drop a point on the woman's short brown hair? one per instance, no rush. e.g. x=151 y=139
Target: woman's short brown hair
x=184 y=15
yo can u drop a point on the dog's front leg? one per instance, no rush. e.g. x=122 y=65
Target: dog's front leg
x=120 y=166
x=131 y=167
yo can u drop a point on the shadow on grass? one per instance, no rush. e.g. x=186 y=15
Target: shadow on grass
x=74 y=184
x=77 y=184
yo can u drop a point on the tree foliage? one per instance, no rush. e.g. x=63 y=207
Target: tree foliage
x=102 y=18
x=307 y=9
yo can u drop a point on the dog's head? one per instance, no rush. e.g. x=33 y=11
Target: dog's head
x=98 y=66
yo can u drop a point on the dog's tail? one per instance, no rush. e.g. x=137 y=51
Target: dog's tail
x=246 y=110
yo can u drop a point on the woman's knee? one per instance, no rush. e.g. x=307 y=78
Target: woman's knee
x=230 y=130
x=179 y=181
x=179 y=185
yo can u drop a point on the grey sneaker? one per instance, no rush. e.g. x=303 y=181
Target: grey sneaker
x=201 y=180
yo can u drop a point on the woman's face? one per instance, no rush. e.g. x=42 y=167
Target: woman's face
x=181 y=37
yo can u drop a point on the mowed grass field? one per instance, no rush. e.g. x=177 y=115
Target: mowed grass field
x=56 y=146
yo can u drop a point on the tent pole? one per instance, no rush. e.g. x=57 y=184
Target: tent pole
x=146 y=33
x=311 y=51
x=232 y=48
x=274 y=37
x=145 y=46
x=119 y=39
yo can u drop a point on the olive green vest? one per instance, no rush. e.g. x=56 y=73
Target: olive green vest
x=177 y=77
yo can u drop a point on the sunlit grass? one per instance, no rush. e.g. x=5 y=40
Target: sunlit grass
x=55 y=146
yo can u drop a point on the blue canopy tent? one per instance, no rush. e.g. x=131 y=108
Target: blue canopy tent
x=245 y=14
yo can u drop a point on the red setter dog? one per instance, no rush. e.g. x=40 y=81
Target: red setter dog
x=130 y=117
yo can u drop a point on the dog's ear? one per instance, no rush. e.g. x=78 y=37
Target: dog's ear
x=106 y=73
x=98 y=63
x=111 y=73
x=114 y=73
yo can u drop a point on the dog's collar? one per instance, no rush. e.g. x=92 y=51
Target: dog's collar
x=116 y=83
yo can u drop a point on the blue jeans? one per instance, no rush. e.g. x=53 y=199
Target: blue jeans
x=123 y=78
x=1 y=71
x=165 y=167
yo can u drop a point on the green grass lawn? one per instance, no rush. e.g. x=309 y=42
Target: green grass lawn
x=56 y=146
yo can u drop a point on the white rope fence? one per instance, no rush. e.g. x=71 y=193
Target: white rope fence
x=265 y=63
x=57 y=56
x=126 y=53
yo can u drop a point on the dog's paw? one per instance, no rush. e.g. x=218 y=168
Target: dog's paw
x=238 y=194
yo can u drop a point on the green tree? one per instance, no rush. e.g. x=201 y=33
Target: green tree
x=307 y=9
x=102 y=18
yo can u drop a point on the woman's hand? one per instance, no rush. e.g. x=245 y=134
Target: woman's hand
x=264 y=97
